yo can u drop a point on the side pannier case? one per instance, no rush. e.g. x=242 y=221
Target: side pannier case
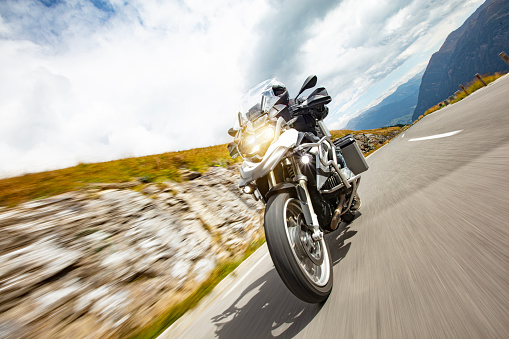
x=351 y=152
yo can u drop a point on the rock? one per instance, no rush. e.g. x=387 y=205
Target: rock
x=57 y=298
x=202 y=269
x=85 y=300
x=189 y=175
x=369 y=142
x=180 y=270
x=119 y=185
x=23 y=269
x=150 y=190
x=106 y=261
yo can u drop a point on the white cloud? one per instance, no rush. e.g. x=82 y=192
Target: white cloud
x=357 y=46
x=151 y=79
x=85 y=84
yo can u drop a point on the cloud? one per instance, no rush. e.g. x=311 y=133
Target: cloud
x=355 y=47
x=52 y=22
x=88 y=81
x=85 y=86
x=281 y=34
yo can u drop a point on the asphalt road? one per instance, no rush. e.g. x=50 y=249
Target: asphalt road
x=426 y=257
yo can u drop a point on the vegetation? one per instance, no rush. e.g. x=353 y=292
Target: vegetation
x=471 y=87
x=379 y=131
x=223 y=269
x=150 y=168
x=218 y=274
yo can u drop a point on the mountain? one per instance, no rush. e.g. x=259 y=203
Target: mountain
x=472 y=48
x=397 y=108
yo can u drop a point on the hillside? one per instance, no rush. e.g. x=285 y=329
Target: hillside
x=124 y=173
x=397 y=108
x=472 y=48
x=125 y=259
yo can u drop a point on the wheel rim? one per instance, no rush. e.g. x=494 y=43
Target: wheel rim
x=311 y=255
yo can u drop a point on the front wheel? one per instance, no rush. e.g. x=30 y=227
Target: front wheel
x=304 y=265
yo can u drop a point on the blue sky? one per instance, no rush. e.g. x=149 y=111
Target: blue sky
x=87 y=81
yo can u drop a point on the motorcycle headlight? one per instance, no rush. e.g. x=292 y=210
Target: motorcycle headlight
x=266 y=134
x=257 y=142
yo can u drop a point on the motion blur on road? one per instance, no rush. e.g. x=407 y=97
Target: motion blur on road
x=426 y=257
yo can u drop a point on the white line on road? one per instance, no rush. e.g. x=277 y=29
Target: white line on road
x=193 y=315
x=403 y=135
x=437 y=136
x=231 y=289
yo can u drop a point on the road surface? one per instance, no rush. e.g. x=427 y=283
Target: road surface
x=426 y=257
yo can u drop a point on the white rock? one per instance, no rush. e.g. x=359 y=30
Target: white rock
x=202 y=269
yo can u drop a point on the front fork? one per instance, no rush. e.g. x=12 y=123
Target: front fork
x=305 y=201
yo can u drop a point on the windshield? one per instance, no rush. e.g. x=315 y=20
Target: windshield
x=258 y=100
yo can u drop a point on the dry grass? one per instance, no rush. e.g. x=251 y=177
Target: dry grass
x=471 y=87
x=378 y=131
x=151 y=168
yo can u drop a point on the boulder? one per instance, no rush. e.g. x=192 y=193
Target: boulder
x=106 y=261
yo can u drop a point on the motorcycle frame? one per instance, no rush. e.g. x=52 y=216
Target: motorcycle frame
x=284 y=148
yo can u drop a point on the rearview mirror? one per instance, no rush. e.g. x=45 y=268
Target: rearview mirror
x=310 y=82
x=232 y=132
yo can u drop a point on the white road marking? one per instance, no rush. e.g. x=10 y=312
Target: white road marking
x=403 y=135
x=201 y=308
x=231 y=289
x=437 y=136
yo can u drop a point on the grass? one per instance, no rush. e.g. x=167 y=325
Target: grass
x=171 y=315
x=379 y=131
x=150 y=168
x=471 y=87
x=223 y=269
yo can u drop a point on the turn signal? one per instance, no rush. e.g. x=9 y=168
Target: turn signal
x=248 y=189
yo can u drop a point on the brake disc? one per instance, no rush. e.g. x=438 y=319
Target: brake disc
x=309 y=247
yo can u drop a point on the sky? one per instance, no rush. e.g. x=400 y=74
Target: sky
x=97 y=80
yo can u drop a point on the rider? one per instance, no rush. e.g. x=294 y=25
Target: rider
x=308 y=123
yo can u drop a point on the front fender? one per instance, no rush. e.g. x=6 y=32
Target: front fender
x=284 y=186
x=298 y=192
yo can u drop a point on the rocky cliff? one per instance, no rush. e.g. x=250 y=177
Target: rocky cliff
x=99 y=263
x=108 y=260
x=472 y=48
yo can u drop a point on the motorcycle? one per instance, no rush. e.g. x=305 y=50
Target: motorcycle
x=296 y=174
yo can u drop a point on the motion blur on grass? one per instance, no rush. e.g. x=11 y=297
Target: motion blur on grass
x=132 y=245
x=151 y=168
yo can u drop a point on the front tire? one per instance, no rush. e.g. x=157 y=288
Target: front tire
x=304 y=265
